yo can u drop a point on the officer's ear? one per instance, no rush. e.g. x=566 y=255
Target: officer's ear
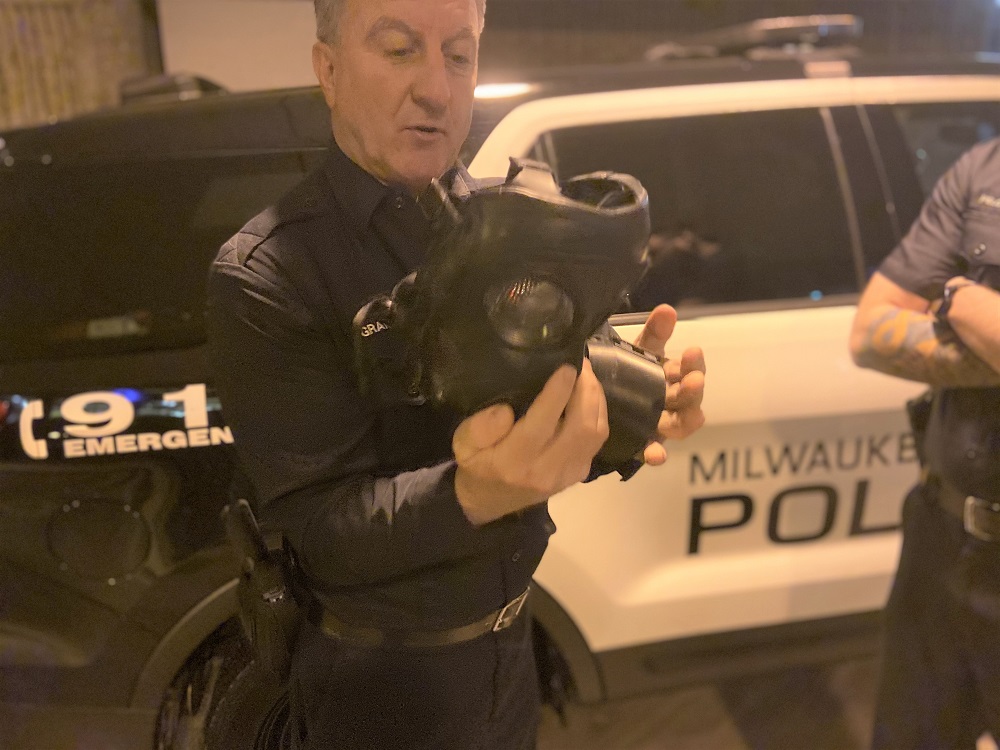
x=323 y=58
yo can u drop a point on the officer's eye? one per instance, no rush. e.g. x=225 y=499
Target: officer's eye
x=396 y=44
x=460 y=56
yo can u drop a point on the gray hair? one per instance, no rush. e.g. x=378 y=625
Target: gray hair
x=328 y=14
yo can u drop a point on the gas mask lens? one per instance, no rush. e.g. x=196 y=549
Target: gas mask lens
x=529 y=312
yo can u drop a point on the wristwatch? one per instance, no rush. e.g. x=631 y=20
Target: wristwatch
x=950 y=289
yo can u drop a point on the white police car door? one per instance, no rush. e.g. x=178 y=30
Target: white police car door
x=785 y=506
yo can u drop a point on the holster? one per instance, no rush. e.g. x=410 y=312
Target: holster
x=270 y=601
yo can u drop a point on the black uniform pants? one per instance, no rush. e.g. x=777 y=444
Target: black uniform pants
x=940 y=681
x=477 y=695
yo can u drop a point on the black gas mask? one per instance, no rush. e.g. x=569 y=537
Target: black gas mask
x=520 y=279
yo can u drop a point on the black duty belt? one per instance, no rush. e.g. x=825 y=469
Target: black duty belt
x=979 y=517
x=496 y=620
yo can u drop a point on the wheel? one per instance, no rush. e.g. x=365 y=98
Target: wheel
x=252 y=714
x=223 y=700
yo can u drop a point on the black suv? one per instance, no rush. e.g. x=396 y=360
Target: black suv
x=117 y=590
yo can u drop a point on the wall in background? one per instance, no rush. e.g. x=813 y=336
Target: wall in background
x=249 y=44
x=59 y=58
x=241 y=44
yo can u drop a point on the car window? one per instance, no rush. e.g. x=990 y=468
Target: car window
x=744 y=206
x=938 y=134
x=113 y=257
x=915 y=145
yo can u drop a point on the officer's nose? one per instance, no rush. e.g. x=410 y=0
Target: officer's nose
x=431 y=89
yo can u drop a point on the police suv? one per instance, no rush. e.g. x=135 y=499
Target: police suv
x=778 y=178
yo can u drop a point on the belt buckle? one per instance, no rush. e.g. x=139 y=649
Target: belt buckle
x=972 y=504
x=509 y=613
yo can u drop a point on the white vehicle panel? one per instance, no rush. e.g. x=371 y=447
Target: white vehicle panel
x=797 y=429
x=785 y=506
x=783 y=364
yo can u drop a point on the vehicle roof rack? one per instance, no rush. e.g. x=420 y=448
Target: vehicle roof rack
x=166 y=87
x=789 y=33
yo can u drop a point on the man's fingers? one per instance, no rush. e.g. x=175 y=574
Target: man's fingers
x=676 y=425
x=654 y=454
x=687 y=393
x=584 y=428
x=692 y=360
x=536 y=428
x=659 y=327
x=482 y=430
x=587 y=405
x=582 y=431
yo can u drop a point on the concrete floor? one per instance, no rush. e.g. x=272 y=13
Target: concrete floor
x=808 y=708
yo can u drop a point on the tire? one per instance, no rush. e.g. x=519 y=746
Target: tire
x=252 y=714
x=223 y=700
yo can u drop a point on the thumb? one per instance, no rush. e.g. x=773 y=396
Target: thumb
x=659 y=327
x=482 y=430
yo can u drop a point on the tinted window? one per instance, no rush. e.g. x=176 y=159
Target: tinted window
x=113 y=258
x=744 y=206
x=937 y=134
x=878 y=221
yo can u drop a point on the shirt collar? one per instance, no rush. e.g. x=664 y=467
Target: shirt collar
x=357 y=191
x=360 y=193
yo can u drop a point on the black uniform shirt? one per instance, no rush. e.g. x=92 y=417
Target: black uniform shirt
x=364 y=491
x=958 y=233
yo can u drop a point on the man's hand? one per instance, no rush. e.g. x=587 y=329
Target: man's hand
x=682 y=413
x=505 y=466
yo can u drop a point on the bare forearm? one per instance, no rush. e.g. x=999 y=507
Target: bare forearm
x=975 y=318
x=905 y=343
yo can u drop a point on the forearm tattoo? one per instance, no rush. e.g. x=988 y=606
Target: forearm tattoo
x=909 y=344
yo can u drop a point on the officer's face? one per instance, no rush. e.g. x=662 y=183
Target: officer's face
x=399 y=80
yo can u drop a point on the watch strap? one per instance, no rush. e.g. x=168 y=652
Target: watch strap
x=948 y=296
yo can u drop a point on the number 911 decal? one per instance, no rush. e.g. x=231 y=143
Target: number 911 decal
x=122 y=421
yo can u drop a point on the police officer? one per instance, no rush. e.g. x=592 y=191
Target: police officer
x=417 y=539
x=932 y=314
